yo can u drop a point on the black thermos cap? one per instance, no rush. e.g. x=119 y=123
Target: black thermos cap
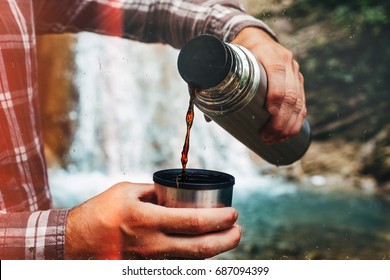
x=204 y=61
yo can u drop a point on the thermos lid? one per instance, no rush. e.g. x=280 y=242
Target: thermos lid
x=204 y=61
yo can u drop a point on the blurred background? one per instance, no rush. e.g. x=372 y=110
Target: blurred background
x=114 y=110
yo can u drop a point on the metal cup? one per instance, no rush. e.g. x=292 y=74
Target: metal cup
x=203 y=189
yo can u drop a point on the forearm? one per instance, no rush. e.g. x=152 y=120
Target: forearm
x=166 y=21
x=175 y=22
x=33 y=235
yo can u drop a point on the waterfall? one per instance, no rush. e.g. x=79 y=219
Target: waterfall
x=131 y=118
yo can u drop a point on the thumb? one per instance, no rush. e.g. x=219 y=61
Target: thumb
x=146 y=193
x=136 y=191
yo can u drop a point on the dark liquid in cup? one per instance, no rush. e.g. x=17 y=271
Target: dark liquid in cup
x=189 y=120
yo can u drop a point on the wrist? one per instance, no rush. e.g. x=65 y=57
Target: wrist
x=77 y=238
x=252 y=36
x=71 y=244
x=91 y=235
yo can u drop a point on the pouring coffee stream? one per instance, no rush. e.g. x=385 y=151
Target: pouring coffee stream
x=189 y=120
x=231 y=88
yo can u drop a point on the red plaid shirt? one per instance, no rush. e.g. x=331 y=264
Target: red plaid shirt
x=29 y=227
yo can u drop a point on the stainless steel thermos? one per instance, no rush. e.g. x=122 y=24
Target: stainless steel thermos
x=232 y=90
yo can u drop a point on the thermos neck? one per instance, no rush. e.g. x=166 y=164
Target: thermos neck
x=237 y=89
x=225 y=75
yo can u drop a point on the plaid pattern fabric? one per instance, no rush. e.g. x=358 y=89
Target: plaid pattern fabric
x=29 y=227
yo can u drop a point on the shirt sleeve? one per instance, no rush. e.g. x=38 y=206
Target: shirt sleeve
x=33 y=236
x=172 y=22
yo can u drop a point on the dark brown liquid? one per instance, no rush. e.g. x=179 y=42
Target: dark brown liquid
x=189 y=121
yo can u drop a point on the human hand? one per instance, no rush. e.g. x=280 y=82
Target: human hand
x=123 y=222
x=286 y=96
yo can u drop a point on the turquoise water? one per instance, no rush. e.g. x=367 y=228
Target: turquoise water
x=280 y=220
x=311 y=223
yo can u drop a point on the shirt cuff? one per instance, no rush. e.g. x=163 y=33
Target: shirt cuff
x=239 y=22
x=33 y=235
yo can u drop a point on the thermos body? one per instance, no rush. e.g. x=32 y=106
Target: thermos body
x=247 y=132
x=237 y=101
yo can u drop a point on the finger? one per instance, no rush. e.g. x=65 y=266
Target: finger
x=276 y=85
x=279 y=127
x=143 y=192
x=165 y=246
x=296 y=127
x=289 y=120
x=303 y=96
x=302 y=87
x=287 y=115
x=147 y=193
x=298 y=124
x=206 y=245
x=276 y=88
x=194 y=221
x=296 y=106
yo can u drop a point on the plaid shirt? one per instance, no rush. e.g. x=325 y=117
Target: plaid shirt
x=29 y=227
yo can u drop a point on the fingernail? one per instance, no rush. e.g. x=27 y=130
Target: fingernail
x=236 y=215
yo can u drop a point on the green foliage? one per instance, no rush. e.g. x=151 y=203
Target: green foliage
x=347 y=75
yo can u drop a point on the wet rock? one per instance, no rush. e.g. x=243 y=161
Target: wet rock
x=377 y=162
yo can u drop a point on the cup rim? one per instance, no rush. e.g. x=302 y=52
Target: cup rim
x=205 y=179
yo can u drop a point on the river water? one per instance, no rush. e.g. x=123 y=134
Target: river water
x=131 y=122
